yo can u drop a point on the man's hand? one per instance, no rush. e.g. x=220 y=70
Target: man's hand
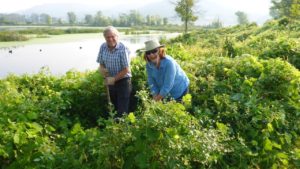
x=104 y=71
x=110 y=80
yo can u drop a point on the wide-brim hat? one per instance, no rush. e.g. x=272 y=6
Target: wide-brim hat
x=152 y=44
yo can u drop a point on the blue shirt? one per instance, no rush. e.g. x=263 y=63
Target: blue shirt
x=115 y=60
x=168 y=79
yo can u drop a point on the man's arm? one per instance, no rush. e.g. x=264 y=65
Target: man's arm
x=122 y=73
x=103 y=71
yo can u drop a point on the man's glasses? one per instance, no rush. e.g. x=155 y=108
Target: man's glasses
x=151 y=51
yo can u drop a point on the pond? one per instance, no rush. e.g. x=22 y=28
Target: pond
x=62 y=53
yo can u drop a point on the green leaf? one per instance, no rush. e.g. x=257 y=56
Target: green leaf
x=254 y=142
x=268 y=144
x=222 y=127
x=276 y=145
x=237 y=97
x=35 y=126
x=282 y=155
x=270 y=127
x=31 y=133
x=32 y=115
x=142 y=160
x=131 y=117
x=17 y=138
x=49 y=128
x=288 y=138
x=76 y=129
x=274 y=166
x=152 y=135
x=187 y=100
x=176 y=137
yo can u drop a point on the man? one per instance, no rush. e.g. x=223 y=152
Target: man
x=114 y=65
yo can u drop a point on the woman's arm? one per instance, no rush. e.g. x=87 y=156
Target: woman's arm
x=151 y=82
x=168 y=79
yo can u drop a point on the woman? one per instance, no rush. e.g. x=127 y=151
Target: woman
x=165 y=77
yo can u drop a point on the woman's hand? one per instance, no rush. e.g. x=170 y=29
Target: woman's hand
x=158 y=97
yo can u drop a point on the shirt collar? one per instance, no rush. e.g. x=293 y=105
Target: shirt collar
x=117 y=46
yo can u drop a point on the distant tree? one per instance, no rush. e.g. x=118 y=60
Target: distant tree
x=216 y=24
x=14 y=19
x=88 y=19
x=55 y=20
x=152 y=20
x=48 y=19
x=124 y=19
x=135 y=18
x=34 y=18
x=287 y=8
x=101 y=20
x=186 y=10
x=242 y=17
x=72 y=18
x=159 y=20
x=59 y=21
x=148 y=20
x=295 y=9
x=165 y=21
x=98 y=19
x=156 y=20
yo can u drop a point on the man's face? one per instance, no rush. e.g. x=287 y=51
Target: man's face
x=111 y=39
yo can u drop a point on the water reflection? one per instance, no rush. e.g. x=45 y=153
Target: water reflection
x=61 y=57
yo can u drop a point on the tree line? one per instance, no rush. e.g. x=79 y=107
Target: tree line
x=132 y=18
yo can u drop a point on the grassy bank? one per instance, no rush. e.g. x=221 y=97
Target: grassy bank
x=37 y=32
x=51 y=39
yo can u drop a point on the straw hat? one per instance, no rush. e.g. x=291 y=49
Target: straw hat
x=152 y=44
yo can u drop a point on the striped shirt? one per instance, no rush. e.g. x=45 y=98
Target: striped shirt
x=115 y=60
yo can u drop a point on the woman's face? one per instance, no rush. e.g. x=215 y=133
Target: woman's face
x=111 y=39
x=153 y=55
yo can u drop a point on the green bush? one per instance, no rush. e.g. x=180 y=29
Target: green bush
x=10 y=36
x=259 y=105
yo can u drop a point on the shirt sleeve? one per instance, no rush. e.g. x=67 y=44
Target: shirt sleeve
x=169 y=78
x=100 y=57
x=125 y=60
x=151 y=82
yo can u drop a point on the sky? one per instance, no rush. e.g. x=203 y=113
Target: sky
x=8 y=6
x=257 y=10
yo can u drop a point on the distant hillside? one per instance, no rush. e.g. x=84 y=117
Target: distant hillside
x=60 y=10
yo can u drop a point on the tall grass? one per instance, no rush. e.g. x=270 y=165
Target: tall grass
x=12 y=36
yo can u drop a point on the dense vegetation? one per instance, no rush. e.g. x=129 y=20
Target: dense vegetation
x=45 y=32
x=26 y=34
x=243 y=109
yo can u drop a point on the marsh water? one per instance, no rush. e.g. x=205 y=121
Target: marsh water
x=60 y=54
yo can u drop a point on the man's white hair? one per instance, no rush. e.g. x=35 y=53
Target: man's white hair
x=110 y=29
